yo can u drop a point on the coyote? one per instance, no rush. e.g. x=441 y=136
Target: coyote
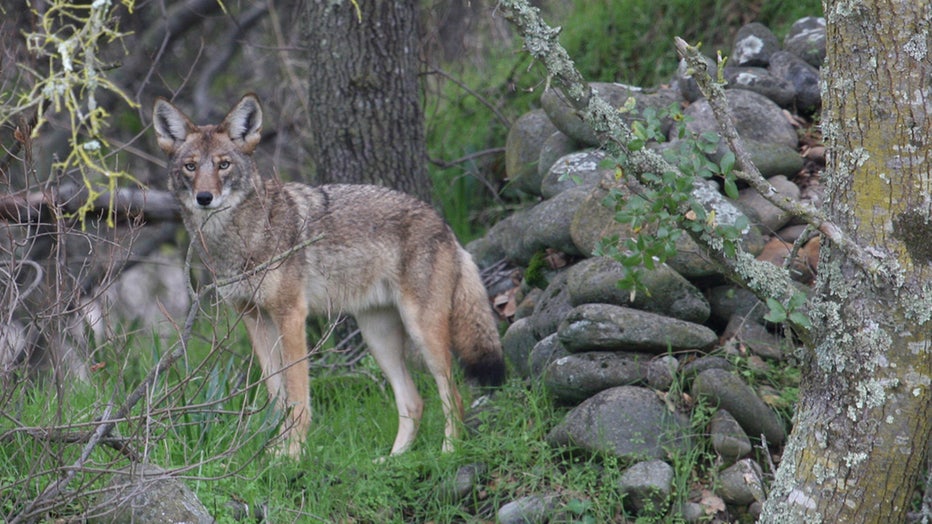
x=288 y=250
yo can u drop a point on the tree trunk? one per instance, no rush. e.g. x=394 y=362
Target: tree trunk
x=863 y=419
x=365 y=111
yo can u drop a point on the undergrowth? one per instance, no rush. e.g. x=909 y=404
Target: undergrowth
x=209 y=424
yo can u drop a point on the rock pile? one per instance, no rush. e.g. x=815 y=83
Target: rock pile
x=615 y=355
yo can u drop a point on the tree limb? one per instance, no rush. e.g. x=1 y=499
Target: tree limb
x=540 y=40
x=749 y=173
x=129 y=204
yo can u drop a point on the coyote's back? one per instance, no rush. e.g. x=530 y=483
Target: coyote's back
x=382 y=256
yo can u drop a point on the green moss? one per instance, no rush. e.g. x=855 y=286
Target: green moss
x=534 y=274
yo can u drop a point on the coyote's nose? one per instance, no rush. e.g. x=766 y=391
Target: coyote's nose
x=204 y=198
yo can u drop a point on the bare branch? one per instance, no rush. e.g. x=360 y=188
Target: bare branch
x=484 y=101
x=210 y=71
x=108 y=419
x=129 y=204
x=749 y=173
x=762 y=278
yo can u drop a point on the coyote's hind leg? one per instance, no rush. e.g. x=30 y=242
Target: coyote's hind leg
x=384 y=332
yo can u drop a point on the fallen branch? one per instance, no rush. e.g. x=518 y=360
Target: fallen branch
x=129 y=204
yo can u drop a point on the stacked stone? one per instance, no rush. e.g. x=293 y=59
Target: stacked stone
x=622 y=358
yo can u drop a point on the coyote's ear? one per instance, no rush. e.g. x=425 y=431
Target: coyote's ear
x=171 y=125
x=244 y=123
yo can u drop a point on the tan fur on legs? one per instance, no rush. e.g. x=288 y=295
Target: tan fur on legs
x=434 y=344
x=290 y=317
x=384 y=333
x=265 y=339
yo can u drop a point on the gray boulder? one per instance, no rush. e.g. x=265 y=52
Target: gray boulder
x=606 y=327
x=544 y=353
x=661 y=372
x=463 y=484
x=755 y=337
x=146 y=494
x=694 y=367
x=753 y=45
x=760 y=81
x=728 y=439
x=552 y=307
x=578 y=376
x=667 y=293
x=757 y=118
x=728 y=300
x=555 y=147
x=742 y=483
x=731 y=393
x=531 y=509
x=803 y=76
x=769 y=158
x=568 y=120
x=517 y=343
x=764 y=214
x=647 y=486
x=628 y=422
x=523 y=147
x=541 y=226
x=525 y=307
x=806 y=39
x=593 y=221
x=577 y=169
x=580 y=168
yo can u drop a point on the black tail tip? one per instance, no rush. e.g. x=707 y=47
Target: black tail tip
x=487 y=373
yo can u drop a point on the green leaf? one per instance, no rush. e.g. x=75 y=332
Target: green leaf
x=800 y=319
x=731 y=188
x=727 y=163
x=797 y=300
x=777 y=313
x=729 y=249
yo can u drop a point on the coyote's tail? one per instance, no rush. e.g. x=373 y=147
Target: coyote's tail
x=474 y=333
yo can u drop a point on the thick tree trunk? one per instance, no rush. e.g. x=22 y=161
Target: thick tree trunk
x=365 y=111
x=863 y=420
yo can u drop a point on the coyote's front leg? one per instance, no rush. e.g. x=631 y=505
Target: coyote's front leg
x=294 y=361
x=279 y=343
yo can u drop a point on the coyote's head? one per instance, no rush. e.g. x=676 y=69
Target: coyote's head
x=211 y=166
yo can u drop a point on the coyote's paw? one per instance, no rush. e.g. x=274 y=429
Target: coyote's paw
x=291 y=448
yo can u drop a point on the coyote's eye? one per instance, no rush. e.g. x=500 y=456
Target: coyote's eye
x=224 y=164
x=190 y=166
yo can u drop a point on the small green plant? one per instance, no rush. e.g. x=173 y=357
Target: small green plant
x=651 y=211
x=791 y=311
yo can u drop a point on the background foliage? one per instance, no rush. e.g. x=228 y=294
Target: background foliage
x=205 y=419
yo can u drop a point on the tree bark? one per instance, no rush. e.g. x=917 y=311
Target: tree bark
x=364 y=100
x=863 y=419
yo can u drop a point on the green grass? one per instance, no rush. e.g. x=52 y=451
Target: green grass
x=204 y=421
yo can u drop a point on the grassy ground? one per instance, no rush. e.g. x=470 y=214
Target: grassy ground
x=208 y=423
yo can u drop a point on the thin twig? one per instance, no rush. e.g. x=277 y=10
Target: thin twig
x=482 y=100
x=107 y=420
x=466 y=158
